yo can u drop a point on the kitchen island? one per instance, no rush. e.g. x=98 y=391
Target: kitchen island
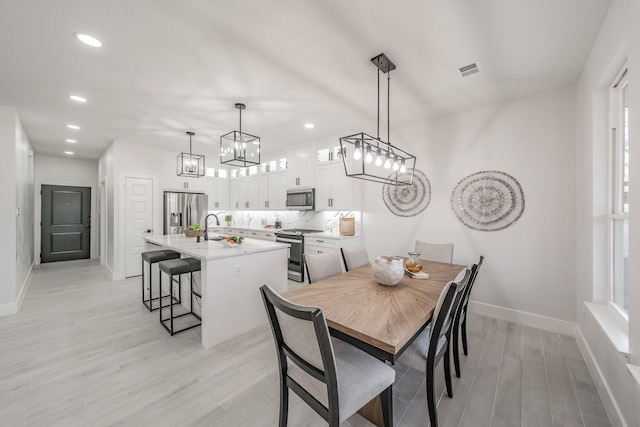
x=230 y=281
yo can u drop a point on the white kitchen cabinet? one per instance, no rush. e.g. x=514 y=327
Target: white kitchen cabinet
x=300 y=171
x=253 y=193
x=217 y=190
x=234 y=194
x=333 y=188
x=273 y=191
x=242 y=193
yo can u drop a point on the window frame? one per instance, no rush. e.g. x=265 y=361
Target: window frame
x=618 y=131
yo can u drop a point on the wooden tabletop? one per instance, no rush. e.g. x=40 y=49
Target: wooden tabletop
x=379 y=319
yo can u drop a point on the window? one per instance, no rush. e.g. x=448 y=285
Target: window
x=619 y=216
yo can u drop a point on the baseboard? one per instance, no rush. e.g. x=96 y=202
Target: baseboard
x=611 y=406
x=13 y=307
x=524 y=318
x=109 y=272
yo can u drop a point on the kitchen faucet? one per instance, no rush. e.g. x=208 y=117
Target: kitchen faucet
x=206 y=225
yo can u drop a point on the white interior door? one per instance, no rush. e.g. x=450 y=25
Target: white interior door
x=139 y=221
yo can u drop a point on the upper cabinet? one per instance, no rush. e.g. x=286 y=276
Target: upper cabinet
x=333 y=189
x=301 y=168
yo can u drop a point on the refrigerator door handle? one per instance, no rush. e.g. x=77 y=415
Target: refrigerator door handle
x=180 y=216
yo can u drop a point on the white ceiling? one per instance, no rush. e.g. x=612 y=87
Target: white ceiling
x=170 y=66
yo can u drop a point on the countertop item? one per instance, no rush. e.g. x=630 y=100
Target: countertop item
x=212 y=249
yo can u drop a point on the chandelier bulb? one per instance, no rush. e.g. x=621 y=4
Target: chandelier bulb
x=378 y=158
x=387 y=163
x=369 y=157
x=396 y=165
x=403 y=168
x=357 y=153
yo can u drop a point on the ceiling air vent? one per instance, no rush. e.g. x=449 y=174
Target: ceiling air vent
x=469 y=70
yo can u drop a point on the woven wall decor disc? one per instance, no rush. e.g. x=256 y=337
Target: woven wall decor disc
x=408 y=200
x=488 y=200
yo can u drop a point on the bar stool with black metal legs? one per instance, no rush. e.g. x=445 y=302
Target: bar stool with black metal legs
x=178 y=267
x=151 y=258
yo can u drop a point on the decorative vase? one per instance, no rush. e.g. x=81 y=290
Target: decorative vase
x=413 y=264
x=387 y=270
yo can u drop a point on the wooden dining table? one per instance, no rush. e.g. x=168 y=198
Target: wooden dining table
x=381 y=320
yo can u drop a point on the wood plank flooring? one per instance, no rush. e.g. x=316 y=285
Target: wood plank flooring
x=84 y=351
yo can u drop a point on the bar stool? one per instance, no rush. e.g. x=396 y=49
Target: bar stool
x=151 y=258
x=178 y=267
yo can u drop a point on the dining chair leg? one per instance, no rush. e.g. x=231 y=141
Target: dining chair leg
x=464 y=335
x=456 y=350
x=386 y=399
x=431 y=396
x=284 y=405
x=447 y=371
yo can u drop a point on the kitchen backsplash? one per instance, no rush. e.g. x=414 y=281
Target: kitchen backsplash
x=315 y=220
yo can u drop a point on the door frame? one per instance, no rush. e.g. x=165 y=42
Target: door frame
x=119 y=221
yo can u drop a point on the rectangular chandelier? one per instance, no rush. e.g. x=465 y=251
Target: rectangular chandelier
x=189 y=164
x=238 y=148
x=373 y=159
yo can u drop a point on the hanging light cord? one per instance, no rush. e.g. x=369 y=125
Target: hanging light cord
x=388 y=99
x=378 y=131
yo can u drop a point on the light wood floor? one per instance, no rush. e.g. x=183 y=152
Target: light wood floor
x=83 y=351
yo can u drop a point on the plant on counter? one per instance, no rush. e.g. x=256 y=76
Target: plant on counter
x=194 y=227
x=235 y=239
x=228 y=218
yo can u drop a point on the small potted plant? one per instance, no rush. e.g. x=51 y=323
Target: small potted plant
x=228 y=218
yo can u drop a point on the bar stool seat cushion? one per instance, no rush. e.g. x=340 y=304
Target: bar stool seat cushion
x=180 y=266
x=161 y=255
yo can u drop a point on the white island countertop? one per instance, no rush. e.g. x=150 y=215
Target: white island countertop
x=212 y=249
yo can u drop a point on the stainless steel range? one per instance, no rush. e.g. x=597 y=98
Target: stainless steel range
x=295 y=237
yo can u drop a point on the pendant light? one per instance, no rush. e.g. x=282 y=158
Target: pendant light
x=373 y=159
x=189 y=164
x=238 y=148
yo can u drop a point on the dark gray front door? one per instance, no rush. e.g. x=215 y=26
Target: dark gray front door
x=66 y=223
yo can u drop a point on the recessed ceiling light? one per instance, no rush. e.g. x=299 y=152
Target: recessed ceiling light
x=308 y=125
x=71 y=153
x=74 y=127
x=73 y=141
x=88 y=40
x=77 y=98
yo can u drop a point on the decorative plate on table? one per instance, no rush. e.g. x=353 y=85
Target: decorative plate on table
x=408 y=200
x=488 y=200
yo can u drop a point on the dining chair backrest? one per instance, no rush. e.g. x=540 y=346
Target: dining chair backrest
x=450 y=296
x=439 y=252
x=475 y=268
x=322 y=265
x=305 y=354
x=355 y=257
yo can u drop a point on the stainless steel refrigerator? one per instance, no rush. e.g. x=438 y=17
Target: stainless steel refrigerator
x=182 y=210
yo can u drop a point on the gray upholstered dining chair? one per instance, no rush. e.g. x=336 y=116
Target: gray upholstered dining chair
x=355 y=257
x=322 y=265
x=433 y=343
x=460 y=317
x=334 y=378
x=440 y=252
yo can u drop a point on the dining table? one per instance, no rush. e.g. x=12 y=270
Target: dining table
x=381 y=320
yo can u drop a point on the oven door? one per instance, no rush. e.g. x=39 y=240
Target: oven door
x=296 y=263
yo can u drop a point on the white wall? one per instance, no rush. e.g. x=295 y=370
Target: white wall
x=617 y=42
x=528 y=266
x=16 y=211
x=65 y=171
x=105 y=177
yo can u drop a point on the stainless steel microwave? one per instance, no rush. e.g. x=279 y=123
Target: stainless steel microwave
x=301 y=199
